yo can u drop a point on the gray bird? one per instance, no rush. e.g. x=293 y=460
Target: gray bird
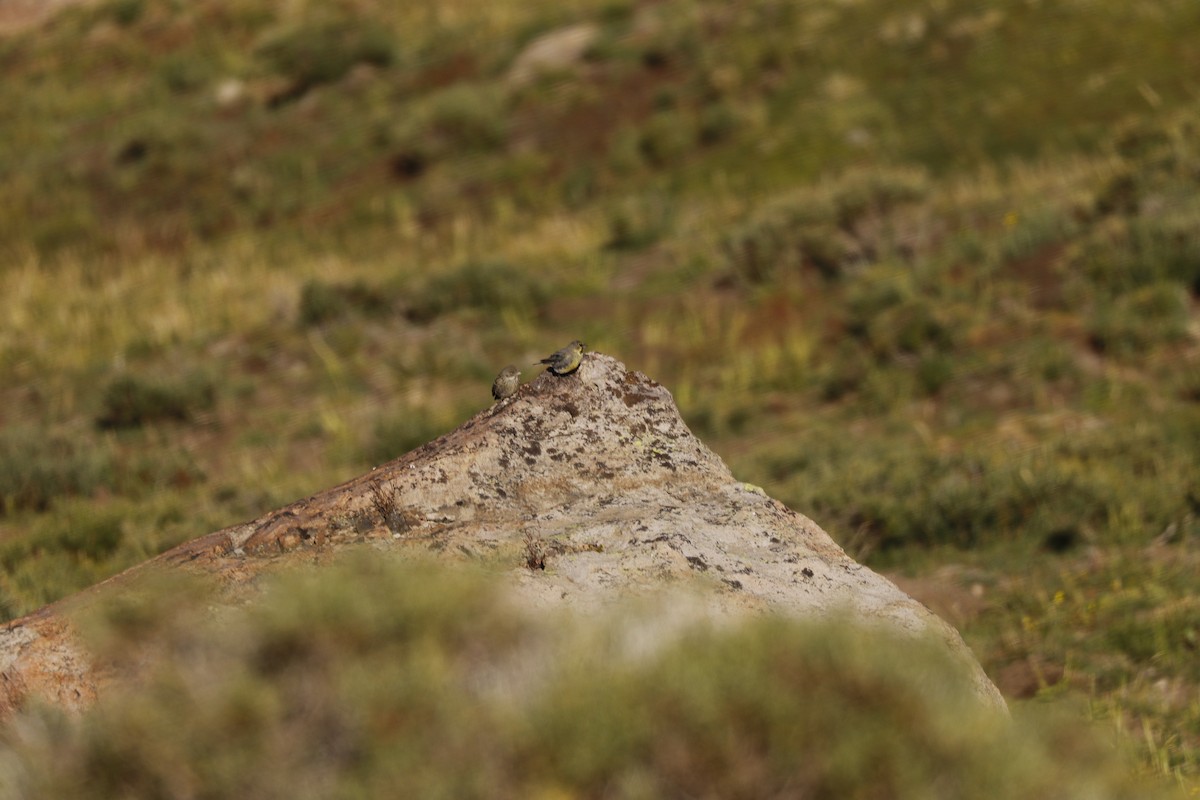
x=506 y=382
x=566 y=360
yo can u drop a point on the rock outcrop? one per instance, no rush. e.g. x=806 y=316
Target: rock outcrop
x=585 y=489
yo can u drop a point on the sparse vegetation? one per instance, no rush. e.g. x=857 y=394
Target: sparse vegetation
x=130 y=401
x=490 y=286
x=928 y=274
x=37 y=466
x=368 y=678
x=321 y=301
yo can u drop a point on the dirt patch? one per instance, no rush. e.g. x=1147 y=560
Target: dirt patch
x=20 y=15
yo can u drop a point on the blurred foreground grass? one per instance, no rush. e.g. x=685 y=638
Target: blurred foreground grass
x=928 y=275
x=369 y=677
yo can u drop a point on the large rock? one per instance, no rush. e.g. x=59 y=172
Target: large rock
x=586 y=489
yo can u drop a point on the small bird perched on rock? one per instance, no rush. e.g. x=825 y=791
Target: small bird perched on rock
x=566 y=360
x=506 y=382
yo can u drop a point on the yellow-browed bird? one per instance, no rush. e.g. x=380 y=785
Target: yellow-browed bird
x=566 y=360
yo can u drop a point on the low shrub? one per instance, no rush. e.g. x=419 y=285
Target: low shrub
x=490 y=286
x=131 y=401
x=323 y=50
x=1142 y=318
x=36 y=467
x=323 y=301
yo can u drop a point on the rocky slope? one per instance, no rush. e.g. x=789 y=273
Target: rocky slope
x=586 y=490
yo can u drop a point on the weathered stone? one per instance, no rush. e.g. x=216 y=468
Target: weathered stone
x=585 y=489
x=556 y=50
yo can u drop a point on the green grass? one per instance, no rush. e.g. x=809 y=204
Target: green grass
x=330 y=116
x=371 y=677
x=927 y=275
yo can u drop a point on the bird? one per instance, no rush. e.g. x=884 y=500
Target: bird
x=506 y=382
x=565 y=361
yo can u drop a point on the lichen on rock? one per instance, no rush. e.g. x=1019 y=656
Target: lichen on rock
x=584 y=489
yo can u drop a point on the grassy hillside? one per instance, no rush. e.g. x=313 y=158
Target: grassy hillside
x=927 y=275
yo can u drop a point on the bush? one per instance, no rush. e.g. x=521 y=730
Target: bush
x=1169 y=245
x=666 y=138
x=131 y=401
x=719 y=122
x=876 y=192
x=485 y=285
x=887 y=309
x=818 y=227
x=126 y=12
x=1140 y=319
x=323 y=51
x=81 y=533
x=321 y=301
x=468 y=117
x=639 y=221
x=36 y=467
x=796 y=232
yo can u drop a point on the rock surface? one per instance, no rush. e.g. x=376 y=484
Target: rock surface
x=585 y=489
x=557 y=50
